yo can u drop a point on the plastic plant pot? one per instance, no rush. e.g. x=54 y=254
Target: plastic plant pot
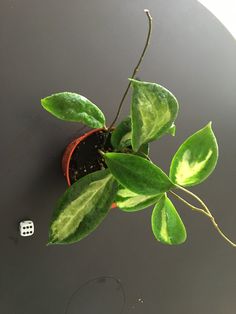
x=81 y=156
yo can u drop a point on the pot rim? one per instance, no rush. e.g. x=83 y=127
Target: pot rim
x=66 y=158
x=69 y=150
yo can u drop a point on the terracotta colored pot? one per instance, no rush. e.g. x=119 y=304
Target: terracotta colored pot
x=68 y=153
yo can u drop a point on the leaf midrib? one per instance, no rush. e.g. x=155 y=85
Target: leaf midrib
x=65 y=226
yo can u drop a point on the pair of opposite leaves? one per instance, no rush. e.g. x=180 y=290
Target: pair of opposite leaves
x=153 y=111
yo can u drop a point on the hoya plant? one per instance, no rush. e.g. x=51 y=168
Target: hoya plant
x=121 y=173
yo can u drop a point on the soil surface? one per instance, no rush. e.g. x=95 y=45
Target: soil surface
x=86 y=158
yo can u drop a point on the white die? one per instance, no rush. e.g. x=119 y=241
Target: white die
x=26 y=228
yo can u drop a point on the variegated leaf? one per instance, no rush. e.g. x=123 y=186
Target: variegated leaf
x=153 y=111
x=129 y=201
x=82 y=207
x=167 y=225
x=195 y=159
x=74 y=107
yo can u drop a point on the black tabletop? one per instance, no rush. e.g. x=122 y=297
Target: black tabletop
x=91 y=47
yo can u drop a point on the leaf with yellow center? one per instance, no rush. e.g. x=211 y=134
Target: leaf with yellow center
x=82 y=207
x=167 y=225
x=196 y=158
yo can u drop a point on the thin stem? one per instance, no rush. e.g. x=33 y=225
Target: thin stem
x=190 y=205
x=136 y=68
x=209 y=214
x=196 y=197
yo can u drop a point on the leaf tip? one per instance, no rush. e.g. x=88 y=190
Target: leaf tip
x=51 y=240
x=209 y=127
x=133 y=81
x=209 y=124
x=42 y=101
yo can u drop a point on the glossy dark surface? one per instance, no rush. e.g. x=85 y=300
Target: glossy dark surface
x=90 y=47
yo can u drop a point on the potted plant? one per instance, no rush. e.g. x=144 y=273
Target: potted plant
x=111 y=165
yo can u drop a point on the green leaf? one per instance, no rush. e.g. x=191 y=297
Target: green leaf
x=83 y=207
x=74 y=107
x=167 y=225
x=153 y=111
x=120 y=131
x=137 y=174
x=125 y=141
x=121 y=137
x=195 y=159
x=129 y=201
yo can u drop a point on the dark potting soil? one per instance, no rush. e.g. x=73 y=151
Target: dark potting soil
x=86 y=158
